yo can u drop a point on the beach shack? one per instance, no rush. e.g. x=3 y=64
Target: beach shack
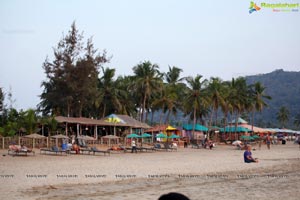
x=114 y=124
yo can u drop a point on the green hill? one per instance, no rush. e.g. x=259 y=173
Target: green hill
x=284 y=88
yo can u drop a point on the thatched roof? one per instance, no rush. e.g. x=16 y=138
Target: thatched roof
x=126 y=121
x=131 y=122
x=157 y=128
x=82 y=120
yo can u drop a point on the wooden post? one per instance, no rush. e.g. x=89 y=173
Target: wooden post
x=66 y=129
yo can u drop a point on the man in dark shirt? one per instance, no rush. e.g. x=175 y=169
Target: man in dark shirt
x=248 y=156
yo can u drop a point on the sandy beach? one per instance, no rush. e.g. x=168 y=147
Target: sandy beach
x=198 y=173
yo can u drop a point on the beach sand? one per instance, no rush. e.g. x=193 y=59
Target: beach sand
x=198 y=173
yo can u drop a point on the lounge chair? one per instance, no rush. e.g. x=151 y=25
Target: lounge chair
x=145 y=148
x=19 y=150
x=55 y=150
x=168 y=147
x=127 y=149
x=82 y=143
x=196 y=146
x=158 y=147
x=95 y=150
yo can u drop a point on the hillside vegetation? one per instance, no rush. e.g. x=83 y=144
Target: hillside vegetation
x=284 y=88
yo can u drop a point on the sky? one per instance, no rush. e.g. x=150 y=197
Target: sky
x=211 y=38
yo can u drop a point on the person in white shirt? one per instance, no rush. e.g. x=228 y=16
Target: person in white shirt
x=133 y=146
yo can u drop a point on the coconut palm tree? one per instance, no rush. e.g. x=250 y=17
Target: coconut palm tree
x=239 y=96
x=108 y=101
x=194 y=99
x=257 y=97
x=283 y=116
x=147 y=80
x=215 y=90
x=297 y=120
x=227 y=106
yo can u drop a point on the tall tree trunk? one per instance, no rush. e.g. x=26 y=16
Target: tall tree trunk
x=167 y=117
x=104 y=110
x=194 y=123
x=143 y=109
x=211 y=116
x=152 y=116
x=161 y=116
x=252 y=120
x=216 y=111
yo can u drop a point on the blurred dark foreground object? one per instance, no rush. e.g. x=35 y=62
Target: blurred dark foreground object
x=173 y=196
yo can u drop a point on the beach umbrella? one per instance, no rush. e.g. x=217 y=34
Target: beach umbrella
x=146 y=135
x=59 y=136
x=34 y=136
x=246 y=137
x=111 y=137
x=133 y=135
x=161 y=135
x=255 y=136
x=173 y=136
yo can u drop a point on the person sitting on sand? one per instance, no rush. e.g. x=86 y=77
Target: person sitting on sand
x=76 y=148
x=248 y=156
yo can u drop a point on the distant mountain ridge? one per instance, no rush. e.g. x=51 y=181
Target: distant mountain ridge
x=284 y=88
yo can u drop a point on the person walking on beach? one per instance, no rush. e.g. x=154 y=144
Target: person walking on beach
x=248 y=156
x=133 y=146
x=268 y=141
x=259 y=143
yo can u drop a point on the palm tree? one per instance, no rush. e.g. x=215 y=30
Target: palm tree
x=125 y=95
x=172 y=91
x=258 y=96
x=227 y=106
x=30 y=121
x=147 y=80
x=173 y=75
x=297 y=120
x=283 y=115
x=215 y=90
x=194 y=99
x=239 y=96
x=108 y=101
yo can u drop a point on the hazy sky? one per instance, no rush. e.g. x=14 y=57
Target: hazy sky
x=211 y=38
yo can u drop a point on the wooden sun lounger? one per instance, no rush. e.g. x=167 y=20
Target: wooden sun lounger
x=95 y=150
x=20 y=152
x=158 y=147
x=168 y=147
x=55 y=150
x=146 y=149
x=16 y=150
x=196 y=146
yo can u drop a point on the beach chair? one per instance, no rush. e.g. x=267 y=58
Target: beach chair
x=16 y=150
x=95 y=150
x=145 y=148
x=125 y=149
x=82 y=144
x=196 y=146
x=55 y=150
x=158 y=147
x=168 y=147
